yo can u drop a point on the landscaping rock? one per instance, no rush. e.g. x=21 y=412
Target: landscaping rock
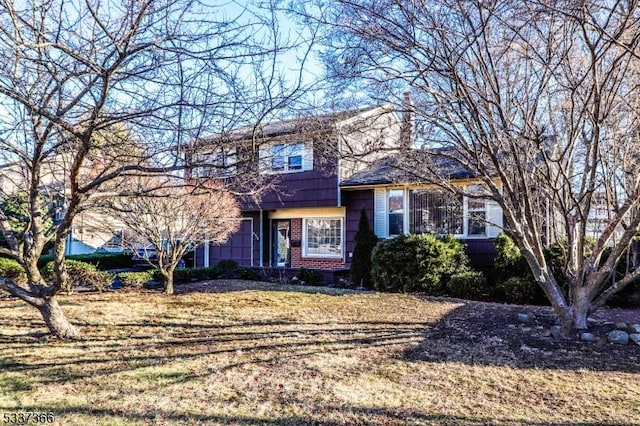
x=634 y=328
x=524 y=317
x=635 y=338
x=618 y=337
x=556 y=332
x=588 y=337
x=621 y=325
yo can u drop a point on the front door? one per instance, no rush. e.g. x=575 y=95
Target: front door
x=280 y=243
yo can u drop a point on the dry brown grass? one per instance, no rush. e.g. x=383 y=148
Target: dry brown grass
x=248 y=353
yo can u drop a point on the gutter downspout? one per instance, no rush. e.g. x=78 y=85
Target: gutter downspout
x=206 y=253
x=261 y=233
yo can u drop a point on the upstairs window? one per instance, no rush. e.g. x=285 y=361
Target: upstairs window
x=219 y=163
x=286 y=157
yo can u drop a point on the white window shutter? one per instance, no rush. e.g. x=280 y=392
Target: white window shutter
x=307 y=156
x=263 y=158
x=380 y=213
x=494 y=219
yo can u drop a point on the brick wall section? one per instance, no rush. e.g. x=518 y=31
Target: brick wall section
x=297 y=261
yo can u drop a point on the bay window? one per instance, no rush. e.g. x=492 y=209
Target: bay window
x=435 y=212
x=323 y=237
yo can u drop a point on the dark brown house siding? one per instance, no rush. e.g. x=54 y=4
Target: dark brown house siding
x=303 y=189
x=481 y=252
x=243 y=246
x=354 y=201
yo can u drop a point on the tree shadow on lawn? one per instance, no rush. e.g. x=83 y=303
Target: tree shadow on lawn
x=184 y=342
x=490 y=334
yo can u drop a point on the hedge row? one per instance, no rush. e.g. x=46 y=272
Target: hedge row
x=102 y=261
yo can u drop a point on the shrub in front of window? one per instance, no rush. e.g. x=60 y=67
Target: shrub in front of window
x=509 y=262
x=79 y=274
x=366 y=240
x=417 y=263
x=469 y=285
x=310 y=276
x=226 y=267
x=522 y=291
x=185 y=275
x=244 y=273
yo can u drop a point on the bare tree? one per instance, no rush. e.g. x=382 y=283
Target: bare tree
x=537 y=99
x=93 y=92
x=174 y=219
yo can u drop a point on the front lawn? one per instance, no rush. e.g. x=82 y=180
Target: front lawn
x=254 y=353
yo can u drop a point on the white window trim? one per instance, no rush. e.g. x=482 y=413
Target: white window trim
x=465 y=217
x=405 y=213
x=305 y=239
x=266 y=158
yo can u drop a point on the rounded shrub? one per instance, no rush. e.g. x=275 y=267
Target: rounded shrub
x=522 y=291
x=135 y=279
x=226 y=267
x=310 y=276
x=417 y=262
x=509 y=262
x=12 y=270
x=469 y=285
x=247 y=274
x=184 y=275
x=80 y=274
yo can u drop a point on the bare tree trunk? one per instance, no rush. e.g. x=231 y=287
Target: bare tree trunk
x=48 y=306
x=581 y=307
x=55 y=320
x=167 y=278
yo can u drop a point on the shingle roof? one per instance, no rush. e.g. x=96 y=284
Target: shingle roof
x=288 y=126
x=405 y=169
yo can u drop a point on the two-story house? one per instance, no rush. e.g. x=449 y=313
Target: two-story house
x=303 y=220
x=327 y=168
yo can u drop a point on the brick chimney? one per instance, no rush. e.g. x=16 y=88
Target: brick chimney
x=407 y=126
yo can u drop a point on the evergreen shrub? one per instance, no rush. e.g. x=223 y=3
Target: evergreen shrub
x=417 y=263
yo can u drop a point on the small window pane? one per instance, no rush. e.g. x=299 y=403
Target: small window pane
x=475 y=204
x=477 y=223
x=295 y=162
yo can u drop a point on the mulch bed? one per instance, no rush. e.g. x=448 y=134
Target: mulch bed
x=491 y=334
